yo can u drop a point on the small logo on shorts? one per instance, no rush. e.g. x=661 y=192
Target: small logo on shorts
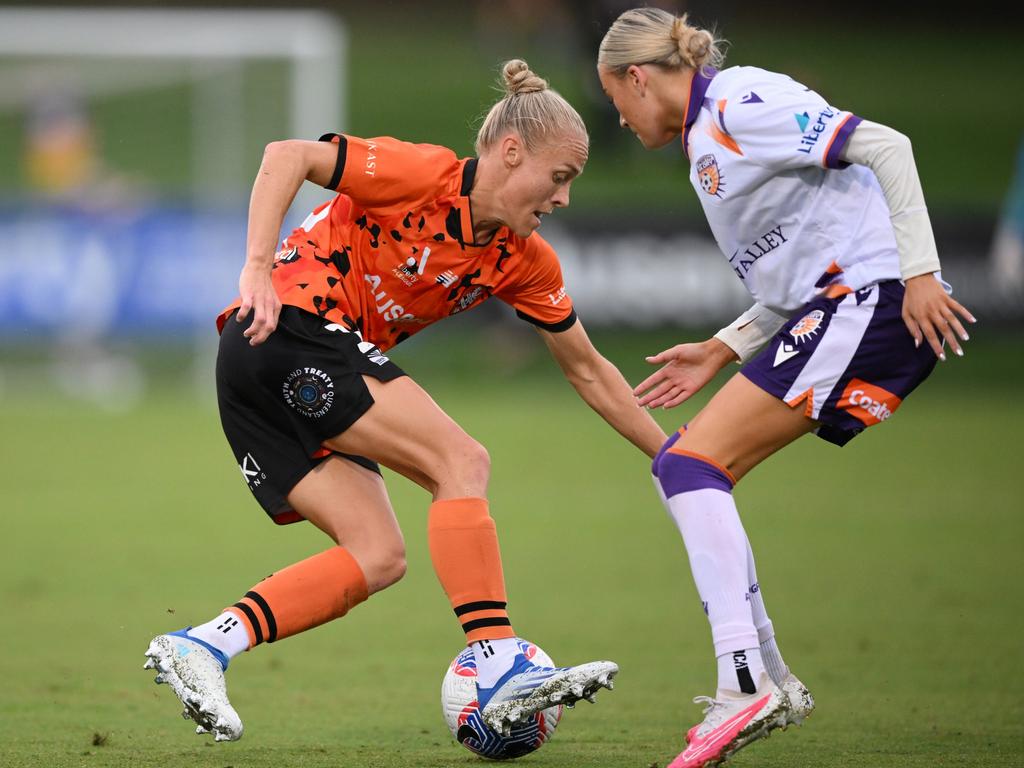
x=372 y=352
x=868 y=403
x=709 y=176
x=784 y=352
x=807 y=326
x=254 y=476
x=309 y=391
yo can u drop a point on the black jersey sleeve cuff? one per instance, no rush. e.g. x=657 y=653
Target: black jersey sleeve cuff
x=339 y=165
x=561 y=325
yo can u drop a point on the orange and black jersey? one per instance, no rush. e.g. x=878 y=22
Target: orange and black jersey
x=393 y=252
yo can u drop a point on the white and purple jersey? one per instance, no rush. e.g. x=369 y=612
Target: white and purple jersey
x=762 y=148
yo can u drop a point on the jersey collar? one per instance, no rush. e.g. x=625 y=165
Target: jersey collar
x=460 y=218
x=699 y=85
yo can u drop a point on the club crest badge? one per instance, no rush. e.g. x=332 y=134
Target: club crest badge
x=309 y=391
x=709 y=176
x=807 y=326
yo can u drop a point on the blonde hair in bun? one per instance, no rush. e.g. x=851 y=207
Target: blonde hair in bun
x=655 y=36
x=530 y=108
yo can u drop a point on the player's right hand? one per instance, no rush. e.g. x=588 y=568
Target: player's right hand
x=686 y=368
x=258 y=295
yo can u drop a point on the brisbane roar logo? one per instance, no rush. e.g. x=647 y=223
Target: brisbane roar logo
x=807 y=326
x=868 y=403
x=709 y=176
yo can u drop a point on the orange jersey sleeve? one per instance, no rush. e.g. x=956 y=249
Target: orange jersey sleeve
x=538 y=293
x=385 y=173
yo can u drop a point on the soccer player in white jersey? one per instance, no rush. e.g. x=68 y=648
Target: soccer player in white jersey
x=821 y=215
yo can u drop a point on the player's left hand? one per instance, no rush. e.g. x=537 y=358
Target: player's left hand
x=258 y=296
x=930 y=313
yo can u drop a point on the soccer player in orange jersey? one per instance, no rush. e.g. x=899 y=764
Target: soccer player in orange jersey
x=310 y=401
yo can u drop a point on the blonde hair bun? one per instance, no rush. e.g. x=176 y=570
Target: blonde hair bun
x=519 y=79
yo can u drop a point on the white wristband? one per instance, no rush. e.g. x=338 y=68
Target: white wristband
x=748 y=332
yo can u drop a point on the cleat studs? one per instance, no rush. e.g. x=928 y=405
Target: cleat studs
x=150 y=664
x=200 y=730
x=185 y=715
x=591 y=699
x=159 y=680
x=163 y=666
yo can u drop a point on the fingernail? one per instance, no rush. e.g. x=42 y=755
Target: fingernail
x=973 y=319
x=917 y=343
x=942 y=356
x=960 y=353
x=965 y=337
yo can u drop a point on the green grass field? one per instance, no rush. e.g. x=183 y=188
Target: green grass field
x=890 y=567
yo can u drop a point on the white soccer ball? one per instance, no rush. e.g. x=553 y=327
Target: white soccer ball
x=459 y=706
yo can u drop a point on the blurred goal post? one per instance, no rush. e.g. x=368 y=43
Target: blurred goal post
x=313 y=43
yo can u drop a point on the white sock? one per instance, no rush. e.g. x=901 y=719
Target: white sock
x=493 y=659
x=739 y=671
x=717 y=546
x=770 y=654
x=226 y=633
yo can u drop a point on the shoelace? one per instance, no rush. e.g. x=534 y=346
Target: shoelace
x=712 y=704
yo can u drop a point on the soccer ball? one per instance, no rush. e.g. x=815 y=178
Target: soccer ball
x=459 y=705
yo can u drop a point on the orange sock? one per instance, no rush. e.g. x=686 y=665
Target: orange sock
x=302 y=596
x=464 y=550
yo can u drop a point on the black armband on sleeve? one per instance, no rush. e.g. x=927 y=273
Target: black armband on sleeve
x=339 y=166
x=561 y=325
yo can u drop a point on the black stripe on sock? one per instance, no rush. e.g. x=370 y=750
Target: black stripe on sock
x=746 y=681
x=251 y=615
x=480 y=605
x=257 y=598
x=497 y=621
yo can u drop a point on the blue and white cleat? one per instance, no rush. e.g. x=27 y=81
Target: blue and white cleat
x=195 y=671
x=527 y=689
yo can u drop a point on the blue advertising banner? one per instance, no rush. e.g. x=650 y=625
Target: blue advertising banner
x=83 y=274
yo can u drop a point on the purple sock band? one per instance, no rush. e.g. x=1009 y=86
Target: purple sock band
x=661 y=451
x=680 y=474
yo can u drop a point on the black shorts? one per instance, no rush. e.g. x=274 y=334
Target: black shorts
x=281 y=399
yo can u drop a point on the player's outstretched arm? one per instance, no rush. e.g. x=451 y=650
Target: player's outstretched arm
x=685 y=369
x=602 y=387
x=286 y=164
x=928 y=311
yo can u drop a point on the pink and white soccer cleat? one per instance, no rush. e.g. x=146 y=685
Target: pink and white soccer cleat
x=731 y=722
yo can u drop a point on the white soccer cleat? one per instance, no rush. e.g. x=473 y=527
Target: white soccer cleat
x=801 y=703
x=526 y=689
x=731 y=722
x=196 y=675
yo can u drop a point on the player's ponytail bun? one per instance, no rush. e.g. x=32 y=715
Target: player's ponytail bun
x=520 y=79
x=530 y=109
x=654 y=36
x=694 y=45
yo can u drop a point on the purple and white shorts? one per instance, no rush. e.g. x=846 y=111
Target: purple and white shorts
x=849 y=360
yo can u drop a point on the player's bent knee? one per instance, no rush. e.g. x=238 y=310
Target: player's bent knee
x=672 y=440
x=390 y=571
x=381 y=567
x=467 y=463
x=680 y=471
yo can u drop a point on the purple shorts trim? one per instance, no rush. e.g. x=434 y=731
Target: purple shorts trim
x=848 y=361
x=678 y=473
